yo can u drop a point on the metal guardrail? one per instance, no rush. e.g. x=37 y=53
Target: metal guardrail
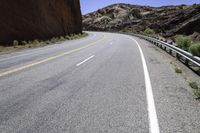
x=179 y=52
x=188 y=56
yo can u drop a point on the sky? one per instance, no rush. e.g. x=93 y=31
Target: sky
x=93 y=5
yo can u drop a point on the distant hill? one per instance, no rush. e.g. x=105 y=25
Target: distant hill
x=167 y=20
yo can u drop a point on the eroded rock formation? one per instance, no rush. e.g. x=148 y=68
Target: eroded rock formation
x=167 y=21
x=38 y=19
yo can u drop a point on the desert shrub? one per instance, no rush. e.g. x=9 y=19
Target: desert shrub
x=24 y=42
x=128 y=29
x=54 y=40
x=71 y=35
x=194 y=85
x=197 y=93
x=195 y=49
x=76 y=36
x=67 y=37
x=149 y=31
x=43 y=43
x=79 y=34
x=15 y=43
x=48 y=42
x=35 y=42
x=84 y=34
x=62 y=38
x=196 y=88
x=178 y=70
x=183 y=42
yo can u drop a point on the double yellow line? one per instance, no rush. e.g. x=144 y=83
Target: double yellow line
x=48 y=59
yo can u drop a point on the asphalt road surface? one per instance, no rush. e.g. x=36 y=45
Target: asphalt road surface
x=104 y=83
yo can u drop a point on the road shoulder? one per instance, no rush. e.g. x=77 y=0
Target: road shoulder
x=177 y=108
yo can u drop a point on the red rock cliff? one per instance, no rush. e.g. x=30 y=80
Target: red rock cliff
x=38 y=19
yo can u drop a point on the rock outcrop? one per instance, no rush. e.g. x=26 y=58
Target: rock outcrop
x=167 y=21
x=38 y=19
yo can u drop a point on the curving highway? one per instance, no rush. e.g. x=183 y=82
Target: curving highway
x=104 y=83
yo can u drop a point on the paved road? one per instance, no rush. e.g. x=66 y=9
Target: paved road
x=105 y=83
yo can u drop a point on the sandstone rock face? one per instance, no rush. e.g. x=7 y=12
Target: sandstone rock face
x=167 y=21
x=38 y=19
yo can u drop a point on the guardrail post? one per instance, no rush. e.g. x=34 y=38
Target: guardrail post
x=186 y=62
x=170 y=52
x=198 y=72
x=177 y=56
x=157 y=44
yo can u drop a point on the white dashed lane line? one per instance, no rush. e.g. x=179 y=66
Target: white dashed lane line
x=89 y=58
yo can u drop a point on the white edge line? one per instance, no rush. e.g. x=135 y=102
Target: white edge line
x=153 y=120
x=89 y=58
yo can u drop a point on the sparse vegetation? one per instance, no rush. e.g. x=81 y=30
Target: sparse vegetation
x=196 y=88
x=194 y=85
x=178 y=70
x=197 y=93
x=35 y=42
x=67 y=37
x=62 y=38
x=15 y=43
x=128 y=30
x=40 y=43
x=24 y=42
x=149 y=31
x=183 y=42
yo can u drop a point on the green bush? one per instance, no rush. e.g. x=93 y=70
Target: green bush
x=196 y=88
x=178 y=70
x=197 y=93
x=195 y=49
x=183 y=42
x=149 y=31
x=194 y=85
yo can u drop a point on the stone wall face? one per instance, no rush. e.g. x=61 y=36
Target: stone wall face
x=38 y=19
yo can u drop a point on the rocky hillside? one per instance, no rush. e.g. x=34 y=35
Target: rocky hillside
x=38 y=19
x=167 y=21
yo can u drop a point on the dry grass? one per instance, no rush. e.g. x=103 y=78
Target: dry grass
x=40 y=43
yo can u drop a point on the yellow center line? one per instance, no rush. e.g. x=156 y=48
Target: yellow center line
x=48 y=59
